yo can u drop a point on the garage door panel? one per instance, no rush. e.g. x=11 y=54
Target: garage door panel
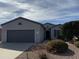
x=20 y=36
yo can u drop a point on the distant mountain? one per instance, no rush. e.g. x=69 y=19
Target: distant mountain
x=48 y=25
x=60 y=20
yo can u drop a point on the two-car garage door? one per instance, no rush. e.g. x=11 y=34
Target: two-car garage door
x=20 y=36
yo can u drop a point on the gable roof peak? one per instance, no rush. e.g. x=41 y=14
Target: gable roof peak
x=22 y=19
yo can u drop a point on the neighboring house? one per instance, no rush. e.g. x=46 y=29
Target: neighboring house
x=56 y=32
x=22 y=30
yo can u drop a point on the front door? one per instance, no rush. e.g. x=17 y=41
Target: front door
x=48 y=35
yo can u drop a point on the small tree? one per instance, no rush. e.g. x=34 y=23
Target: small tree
x=70 y=29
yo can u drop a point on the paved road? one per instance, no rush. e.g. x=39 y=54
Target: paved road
x=12 y=50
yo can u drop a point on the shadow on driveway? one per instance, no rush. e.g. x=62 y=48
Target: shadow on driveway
x=16 y=46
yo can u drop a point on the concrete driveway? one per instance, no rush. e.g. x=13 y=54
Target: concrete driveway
x=12 y=50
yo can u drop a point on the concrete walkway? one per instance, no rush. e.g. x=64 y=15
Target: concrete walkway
x=73 y=53
x=75 y=50
x=12 y=50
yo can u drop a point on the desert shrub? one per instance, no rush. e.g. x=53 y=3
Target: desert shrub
x=76 y=44
x=43 y=56
x=57 y=46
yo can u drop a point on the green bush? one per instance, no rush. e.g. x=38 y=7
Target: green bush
x=57 y=46
x=76 y=44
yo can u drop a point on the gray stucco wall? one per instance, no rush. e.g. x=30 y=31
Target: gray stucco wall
x=0 y=33
x=26 y=25
x=52 y=31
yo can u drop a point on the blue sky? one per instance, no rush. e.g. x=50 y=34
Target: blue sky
x=57 y=11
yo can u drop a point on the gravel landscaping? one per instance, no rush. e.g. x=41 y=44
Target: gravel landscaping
x=72 y=53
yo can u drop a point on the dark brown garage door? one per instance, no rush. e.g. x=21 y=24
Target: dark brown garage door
x=20 y=36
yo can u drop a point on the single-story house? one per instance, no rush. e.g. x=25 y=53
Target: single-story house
x=22 y=30
x=56 y=32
